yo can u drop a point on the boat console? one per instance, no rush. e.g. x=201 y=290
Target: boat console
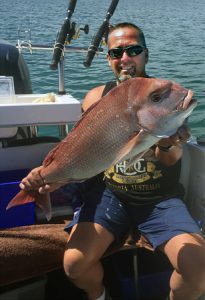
x=25 y=111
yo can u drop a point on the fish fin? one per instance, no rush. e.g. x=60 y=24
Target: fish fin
x=145 y=141
x=21 y=198
x=134 y=159
x=127 y=149
x=43 y=201
x=137 y=146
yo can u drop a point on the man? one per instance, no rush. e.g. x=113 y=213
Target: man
x=149 y=201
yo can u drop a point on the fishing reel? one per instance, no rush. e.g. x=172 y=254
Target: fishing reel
x=74 y=33
x=105 y=35
x=101 y=38
x=102 y=33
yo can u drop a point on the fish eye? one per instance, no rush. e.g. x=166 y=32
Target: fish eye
x=156 y=97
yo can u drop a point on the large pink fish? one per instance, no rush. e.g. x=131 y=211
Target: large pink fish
x=124 y=124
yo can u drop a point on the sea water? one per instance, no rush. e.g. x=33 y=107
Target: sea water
x=174 y=30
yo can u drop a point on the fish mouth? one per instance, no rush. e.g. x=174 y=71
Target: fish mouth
x=187 y=101
x=184 y=109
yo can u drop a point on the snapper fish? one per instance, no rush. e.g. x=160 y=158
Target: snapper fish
x=122 y=125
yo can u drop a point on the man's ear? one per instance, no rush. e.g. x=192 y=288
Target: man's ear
x=108 y=59
x=146 y=51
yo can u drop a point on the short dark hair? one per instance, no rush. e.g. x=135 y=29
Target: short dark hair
x=128 y=25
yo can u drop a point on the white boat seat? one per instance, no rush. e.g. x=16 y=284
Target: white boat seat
x=8 y=132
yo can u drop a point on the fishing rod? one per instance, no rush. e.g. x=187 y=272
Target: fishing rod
x=66 y=29
x=93 y=48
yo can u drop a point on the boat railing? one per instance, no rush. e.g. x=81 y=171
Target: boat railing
x=28 y=45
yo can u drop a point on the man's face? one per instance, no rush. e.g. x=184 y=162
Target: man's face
x=126 y=66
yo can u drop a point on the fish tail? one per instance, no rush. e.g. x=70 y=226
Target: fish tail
x=21 y=198
x=41 y=200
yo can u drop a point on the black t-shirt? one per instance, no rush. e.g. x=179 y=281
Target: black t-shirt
x=146 y=181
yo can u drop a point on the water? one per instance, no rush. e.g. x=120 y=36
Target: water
x=174 y=30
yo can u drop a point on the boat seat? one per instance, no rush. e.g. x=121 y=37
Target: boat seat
x=31 y=251
x=13 y=64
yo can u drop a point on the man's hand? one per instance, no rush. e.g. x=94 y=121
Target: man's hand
x=169 y=150
x=34 y=181
x=182 y=135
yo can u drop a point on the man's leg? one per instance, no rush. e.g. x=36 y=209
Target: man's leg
x=86 y=246
x=186 y=253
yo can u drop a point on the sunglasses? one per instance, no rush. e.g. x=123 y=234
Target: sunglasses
x=130 y=50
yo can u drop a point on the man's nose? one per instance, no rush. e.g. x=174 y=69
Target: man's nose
x=125 y=56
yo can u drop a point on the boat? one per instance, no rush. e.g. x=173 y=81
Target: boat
x=31 y=248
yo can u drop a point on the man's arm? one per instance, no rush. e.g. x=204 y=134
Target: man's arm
x=92 y=96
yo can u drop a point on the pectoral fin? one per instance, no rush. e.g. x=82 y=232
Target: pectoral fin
x=134 y=159
x=128 y=148
x=136 y=147
x=145 y=141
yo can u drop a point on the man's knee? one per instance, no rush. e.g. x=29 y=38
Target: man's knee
x=75 y=263
x=197 y=279
x=191 y=261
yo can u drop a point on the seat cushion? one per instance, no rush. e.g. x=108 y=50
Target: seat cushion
x=30 y=251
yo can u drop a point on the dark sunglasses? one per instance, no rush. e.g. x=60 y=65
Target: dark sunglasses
x=130 y=50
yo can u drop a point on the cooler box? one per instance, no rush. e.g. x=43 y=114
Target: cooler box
x=9 y=186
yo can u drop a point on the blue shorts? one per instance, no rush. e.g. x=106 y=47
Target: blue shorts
x=157 y=222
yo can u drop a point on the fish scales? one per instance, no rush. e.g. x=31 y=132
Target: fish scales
x=94 y=140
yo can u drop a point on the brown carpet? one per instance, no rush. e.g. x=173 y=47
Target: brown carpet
x=30 y=251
